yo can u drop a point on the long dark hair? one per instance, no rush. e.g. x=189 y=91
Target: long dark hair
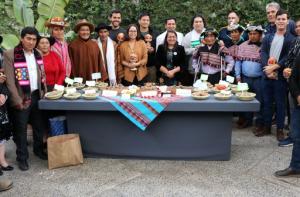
x=166 y=42
x=138 y=37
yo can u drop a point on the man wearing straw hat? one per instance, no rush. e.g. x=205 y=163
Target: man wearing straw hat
x=56 y=27
x=209 y=59
x=84 y=52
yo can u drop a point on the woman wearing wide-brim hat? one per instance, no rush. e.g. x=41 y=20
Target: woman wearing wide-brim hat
x=57 y=27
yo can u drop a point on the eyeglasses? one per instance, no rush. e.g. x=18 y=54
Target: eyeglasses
x=133 y=31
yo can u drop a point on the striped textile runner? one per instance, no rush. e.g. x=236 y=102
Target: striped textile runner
x=141 y=111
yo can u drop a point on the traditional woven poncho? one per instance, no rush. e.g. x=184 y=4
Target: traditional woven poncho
x=248 y=51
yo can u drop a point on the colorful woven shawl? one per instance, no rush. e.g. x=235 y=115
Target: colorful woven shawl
x=21 y=70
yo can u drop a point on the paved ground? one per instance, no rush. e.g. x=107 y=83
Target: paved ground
x=248 y=173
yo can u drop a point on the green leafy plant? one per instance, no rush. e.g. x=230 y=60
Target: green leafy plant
x=22 y=12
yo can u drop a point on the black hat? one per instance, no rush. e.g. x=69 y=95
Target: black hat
x=47 y=36
x=1 y=39
x=235 y=27
x=102 y=26
x=209 y=30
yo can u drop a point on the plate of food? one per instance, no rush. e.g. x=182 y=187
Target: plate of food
x=201 y=95
x=72 y=96
x=245 y=96
x=90 y=96
x=54 y=95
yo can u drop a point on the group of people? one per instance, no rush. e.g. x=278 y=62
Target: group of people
x=264 y=58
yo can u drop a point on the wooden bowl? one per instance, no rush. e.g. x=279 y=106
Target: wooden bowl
x=245 y=96
x=54 y=95
x=220 y=96
x=200 y=95
x=72 y=96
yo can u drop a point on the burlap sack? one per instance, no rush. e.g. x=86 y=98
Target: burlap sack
x=64 y=150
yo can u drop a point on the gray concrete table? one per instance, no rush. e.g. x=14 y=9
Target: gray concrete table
x=187 y=129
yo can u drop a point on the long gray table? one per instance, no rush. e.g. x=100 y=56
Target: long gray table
x=187 y=129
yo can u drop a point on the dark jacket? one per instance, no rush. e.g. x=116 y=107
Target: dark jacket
x=271 y=28
x=178 y=57
x=294 y=81
x=151 y=56
x=224 y=35
x=265 y=51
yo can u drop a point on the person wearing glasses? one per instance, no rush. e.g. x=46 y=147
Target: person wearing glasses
x=132 y=58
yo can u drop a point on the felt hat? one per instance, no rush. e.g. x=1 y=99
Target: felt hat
x=209 y=30
x=83 y=22
x=102 y=26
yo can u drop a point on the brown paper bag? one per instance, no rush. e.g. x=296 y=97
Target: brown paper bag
x=64 y=150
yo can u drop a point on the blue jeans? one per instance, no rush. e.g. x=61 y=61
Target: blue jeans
x=274 y=91
x=295 y=134
x=255 y=86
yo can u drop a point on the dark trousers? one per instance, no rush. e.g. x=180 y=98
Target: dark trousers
x=295 y=134
x=274 y=91
x=20 y=119
x=214 y=78
x=135 y=82
x=255 y=86
x=152 y=74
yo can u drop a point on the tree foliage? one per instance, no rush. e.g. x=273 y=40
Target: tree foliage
x=215 y=11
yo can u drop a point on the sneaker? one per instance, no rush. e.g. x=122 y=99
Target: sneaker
x=286 y=142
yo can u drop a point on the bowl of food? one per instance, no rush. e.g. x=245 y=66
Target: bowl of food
x=90 y=96
x=79 y=86
x=201 y=95
x=90 y=88
x=245 y=96
x=54 y=95
x=101 y=85
x=72 y=96
x=224 y=95
x=218 y=88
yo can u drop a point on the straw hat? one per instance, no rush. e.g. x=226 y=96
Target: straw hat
x=56 y=21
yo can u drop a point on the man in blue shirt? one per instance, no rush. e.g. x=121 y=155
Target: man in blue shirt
x=248 y=69
x=275 y=46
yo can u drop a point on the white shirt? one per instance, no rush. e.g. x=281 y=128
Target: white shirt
x=161 y=38
x=276 y=46
x=32 y=70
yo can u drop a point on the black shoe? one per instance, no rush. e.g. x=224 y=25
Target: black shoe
x=23 y=165
x=1 y=173
x=7 y=168
x=41 y=155
x=289 y=172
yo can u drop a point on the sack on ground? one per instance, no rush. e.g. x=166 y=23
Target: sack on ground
x=64 y=150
